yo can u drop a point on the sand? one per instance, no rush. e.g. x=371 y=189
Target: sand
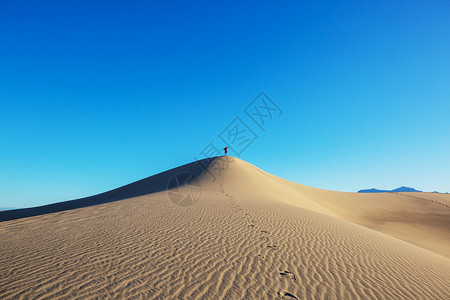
x=232 y=232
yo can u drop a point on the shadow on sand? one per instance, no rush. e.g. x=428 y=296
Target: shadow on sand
x=152 y=184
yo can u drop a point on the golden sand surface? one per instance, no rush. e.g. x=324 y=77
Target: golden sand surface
x=232 y=231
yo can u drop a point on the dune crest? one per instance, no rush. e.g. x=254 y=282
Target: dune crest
x=228 y=230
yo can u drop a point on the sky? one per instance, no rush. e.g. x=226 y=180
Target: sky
x=98 y=94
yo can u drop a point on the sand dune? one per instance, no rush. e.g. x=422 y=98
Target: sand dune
x=232 y=231
x=149 y=185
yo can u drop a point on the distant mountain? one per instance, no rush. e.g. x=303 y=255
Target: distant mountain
x=405 y=189
x=373 y=190
x=400 y=189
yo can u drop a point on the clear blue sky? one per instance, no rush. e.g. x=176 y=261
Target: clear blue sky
x=95 y=95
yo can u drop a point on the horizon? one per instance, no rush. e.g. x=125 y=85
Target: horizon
x=336 y=96
x=375 y=190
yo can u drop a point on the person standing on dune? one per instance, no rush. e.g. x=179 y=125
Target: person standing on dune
x=226 y=150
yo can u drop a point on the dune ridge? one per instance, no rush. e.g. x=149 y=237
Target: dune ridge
x=149 y=185
x=247 y=235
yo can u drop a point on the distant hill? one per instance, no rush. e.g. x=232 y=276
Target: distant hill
x=400 y=189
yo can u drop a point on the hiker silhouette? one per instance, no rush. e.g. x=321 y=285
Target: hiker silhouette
x=226 y=150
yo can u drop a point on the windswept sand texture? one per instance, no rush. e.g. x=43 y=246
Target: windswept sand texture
x=236 y=233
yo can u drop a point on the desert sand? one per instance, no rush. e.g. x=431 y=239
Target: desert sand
x=222 y=228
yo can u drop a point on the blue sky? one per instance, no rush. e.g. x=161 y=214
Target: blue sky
x=95 y=95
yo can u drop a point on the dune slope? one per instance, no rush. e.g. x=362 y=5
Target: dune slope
x=149 y=185
x=232 y=231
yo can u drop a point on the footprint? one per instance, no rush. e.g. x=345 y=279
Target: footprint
x=287 y=294
x=288 y=274
x=274 y=247
x=264 y=231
